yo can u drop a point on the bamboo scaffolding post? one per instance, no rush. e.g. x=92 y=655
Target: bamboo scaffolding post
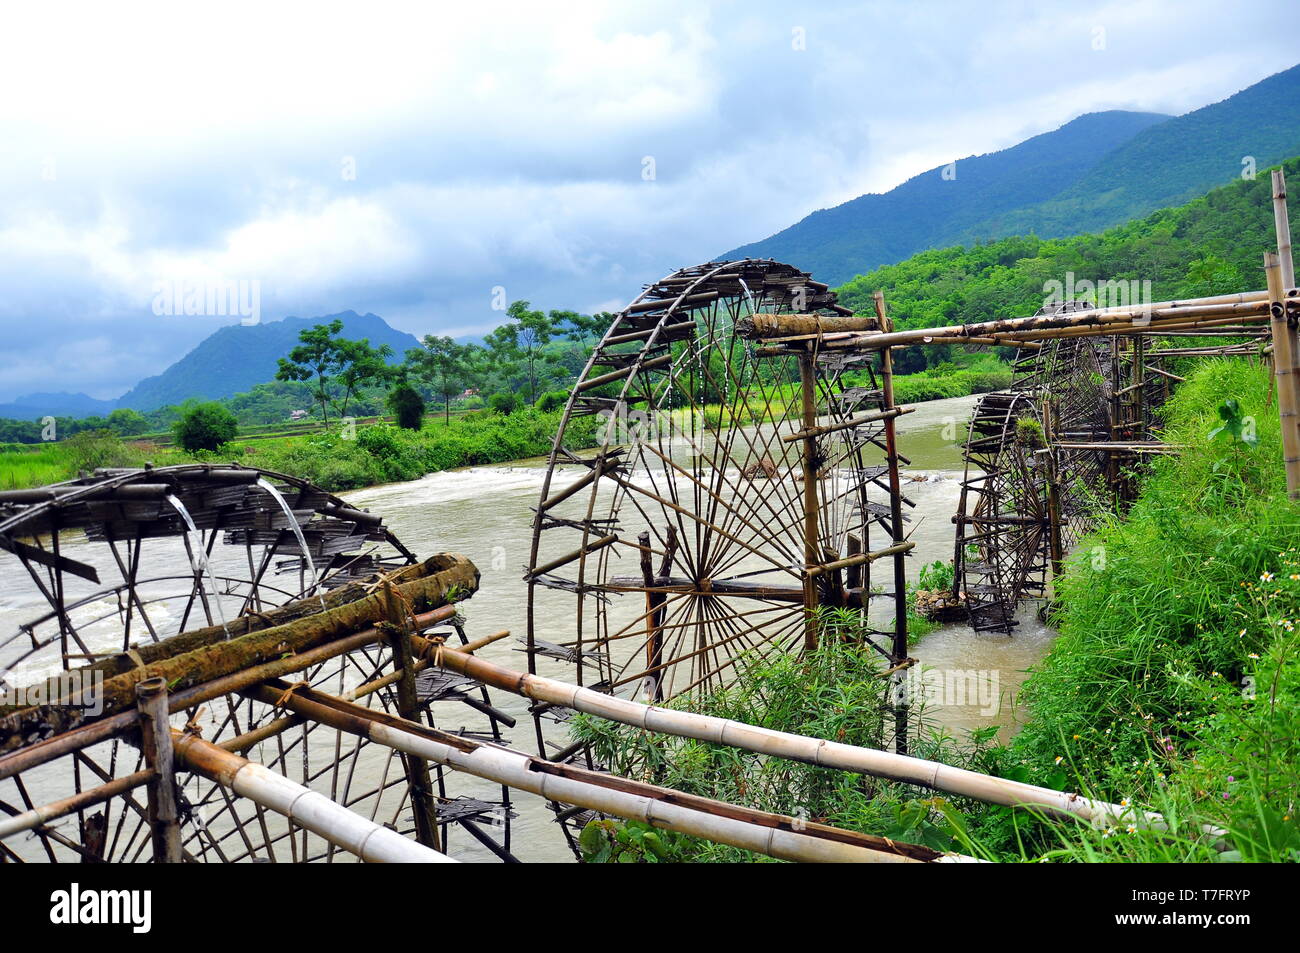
x=308 y=809
x=249 y=739
x=818 y=751
x=779 y=836
x=811 y=548
x=1142 y=319
x=899 y=648
x=419 y=784
x=1284 y=370
x=156 y=743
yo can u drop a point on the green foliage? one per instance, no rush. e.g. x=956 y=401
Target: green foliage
x=406 y=404
x=503 y=403
x=552 y=401
x=628 y=842
x=205 y=426
x=938 y=575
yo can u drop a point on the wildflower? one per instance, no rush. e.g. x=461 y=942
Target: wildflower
x=1266 y=577
x=1132 y=829
x=1254 y=655
x=1059 y=758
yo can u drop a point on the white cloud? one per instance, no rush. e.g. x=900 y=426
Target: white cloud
x=503 y=144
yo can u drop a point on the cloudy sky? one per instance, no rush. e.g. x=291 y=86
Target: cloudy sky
x=411 y=161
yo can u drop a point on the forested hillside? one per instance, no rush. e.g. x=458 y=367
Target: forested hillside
x=1213 y=245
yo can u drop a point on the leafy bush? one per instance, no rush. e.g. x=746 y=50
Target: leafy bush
x=205 y=426
x=406 y=404
x=503 y=403
x=552 y=401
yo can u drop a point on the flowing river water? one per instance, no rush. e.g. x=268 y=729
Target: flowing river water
x=969 y=680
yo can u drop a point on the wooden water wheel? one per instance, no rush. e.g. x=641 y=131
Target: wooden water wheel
x=1044 y=458
x=730 y=491
x=127 y=559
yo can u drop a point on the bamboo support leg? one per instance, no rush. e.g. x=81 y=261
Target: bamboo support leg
x=408 y=706
x=156 y=742
x=1284 y=369
x=811 y=549
x=899 y=652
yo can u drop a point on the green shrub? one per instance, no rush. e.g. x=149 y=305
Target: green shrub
x=205 y=426
x=406 y=404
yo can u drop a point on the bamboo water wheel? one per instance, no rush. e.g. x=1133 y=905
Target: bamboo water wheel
x=730 y=490
x=1044 y=458
x=127 y=559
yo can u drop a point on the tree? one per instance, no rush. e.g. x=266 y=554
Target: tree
x=447 y=366
x=126 y=422
x=330 y=362
x=360 y=364
x=523 y=339
x=316 y=357
x=503 y=402
x=407 y=406
x=205 y=426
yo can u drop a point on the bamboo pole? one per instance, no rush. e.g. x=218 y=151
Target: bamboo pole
x=899 y=649
x=156 y=743
x=307 y=808
x=811 y=532
x=94 y=732
x=775 y=835
x=419 y=784
x=38 y=816
x=1143 y=318
x=781 y=744
x=1284 y=370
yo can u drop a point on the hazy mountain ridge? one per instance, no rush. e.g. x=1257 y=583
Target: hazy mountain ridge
x=1097 y=171
x=229 y=361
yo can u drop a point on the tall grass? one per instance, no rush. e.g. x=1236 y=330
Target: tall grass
x=1175 y=681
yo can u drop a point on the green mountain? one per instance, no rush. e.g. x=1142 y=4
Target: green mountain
x=1212 y=245
x=1100 y=170
x=235 y=358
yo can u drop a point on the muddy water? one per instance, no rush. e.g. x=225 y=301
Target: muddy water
x=969 y=681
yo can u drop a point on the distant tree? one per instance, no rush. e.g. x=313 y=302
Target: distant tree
x=316 y=358
x=448 y=367
x=360 y=364
x=331 y=363
x=407 y=406
x=126 y=422
x=523 y=339
x=205 y=426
